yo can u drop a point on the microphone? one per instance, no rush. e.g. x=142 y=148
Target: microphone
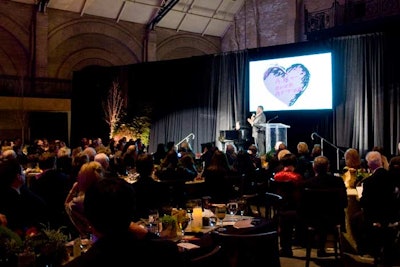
x=272 y=119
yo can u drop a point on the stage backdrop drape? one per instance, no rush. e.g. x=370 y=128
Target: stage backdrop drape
x=368 y=113
x=206 y=94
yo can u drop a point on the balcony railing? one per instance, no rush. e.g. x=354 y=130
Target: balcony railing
x=350 y=13
x=39 y=87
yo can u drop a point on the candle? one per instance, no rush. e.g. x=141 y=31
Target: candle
x=197 y=222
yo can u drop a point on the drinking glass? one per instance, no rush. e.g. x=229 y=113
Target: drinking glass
x=232 y=208
x=220 y=213
x=153 y=221
x=190 y=204
x=183 y=224
x=242 y=207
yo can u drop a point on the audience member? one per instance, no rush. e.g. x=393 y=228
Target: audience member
x=89 y=173
x=129 y=157
x=52 y=186
x=167 y=170
x=64 y=159
x=18 y=148
x=9 y=154
x=187 y=168
x=316 y=151
x=215 y=177
x=91 y=152
x=288 y=214
x=104 y=160
x=110 y=206
x=22 y=207
x=304 y=161
x=160 y=154
x=379 y=206
x=151 y=194
x=323 y=179
x=77 y=161
x=385 y=162
x=254 y=156
x=231 y=153
x=353 y=171
x=288 y=173
x=185 y=148
x=245 y=168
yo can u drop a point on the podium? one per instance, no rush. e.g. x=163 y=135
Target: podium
x=274 y=132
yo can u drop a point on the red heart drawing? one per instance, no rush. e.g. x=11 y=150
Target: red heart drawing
x=287 y=85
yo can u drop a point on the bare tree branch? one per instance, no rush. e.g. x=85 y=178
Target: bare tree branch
x=112 y=107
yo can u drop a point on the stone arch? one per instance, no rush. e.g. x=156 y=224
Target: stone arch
x=189 y=44
x=114 y=45
x=86 y=57
x=14 y=52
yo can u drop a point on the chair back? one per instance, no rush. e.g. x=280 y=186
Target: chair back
x=242 y=250
x=289 y=192
x=322 y=211
x=265 y=205
x=323 y=206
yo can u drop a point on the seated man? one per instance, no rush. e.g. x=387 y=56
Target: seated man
x=110 y=206
x=323 y=206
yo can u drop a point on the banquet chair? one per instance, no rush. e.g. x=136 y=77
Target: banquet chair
x=258 y=249
x=385 y=244
x=321 y=213
x=266 y=205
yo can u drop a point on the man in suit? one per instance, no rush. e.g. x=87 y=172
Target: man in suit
x=323 y=207
x=378 y=206
x=258 y=131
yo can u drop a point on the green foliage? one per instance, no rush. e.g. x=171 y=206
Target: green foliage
x=10 y=242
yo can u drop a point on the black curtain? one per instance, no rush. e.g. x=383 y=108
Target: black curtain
x=368 y=112
x=206 y=94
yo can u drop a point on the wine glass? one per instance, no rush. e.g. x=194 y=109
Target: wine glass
x=242 y=207
x=232 y=208
x=220 y=213
x=183 y=224
x=153 y=221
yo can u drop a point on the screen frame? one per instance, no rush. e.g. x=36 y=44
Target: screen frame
x=312 y=98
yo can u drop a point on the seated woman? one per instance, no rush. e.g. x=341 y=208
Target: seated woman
x=353 y=171
x=89 y=173
x=110 y=205
x=287 y=183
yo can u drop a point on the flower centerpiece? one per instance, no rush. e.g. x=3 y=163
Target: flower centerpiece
x=47 y=246
x=10 y=246
x=352 y=177
x=173 y=224
x=169 y=227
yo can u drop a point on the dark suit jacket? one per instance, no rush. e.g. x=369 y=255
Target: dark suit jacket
x=377 y=198
x=327 y=207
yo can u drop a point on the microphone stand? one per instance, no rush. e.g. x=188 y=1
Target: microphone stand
x=329 y=143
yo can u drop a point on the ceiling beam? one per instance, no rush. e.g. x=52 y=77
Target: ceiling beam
x=161 y=13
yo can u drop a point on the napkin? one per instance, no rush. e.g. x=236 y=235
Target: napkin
x=187 y=245
x=243 y=224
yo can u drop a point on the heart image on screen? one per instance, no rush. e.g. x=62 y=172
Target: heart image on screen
x=287 y=85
